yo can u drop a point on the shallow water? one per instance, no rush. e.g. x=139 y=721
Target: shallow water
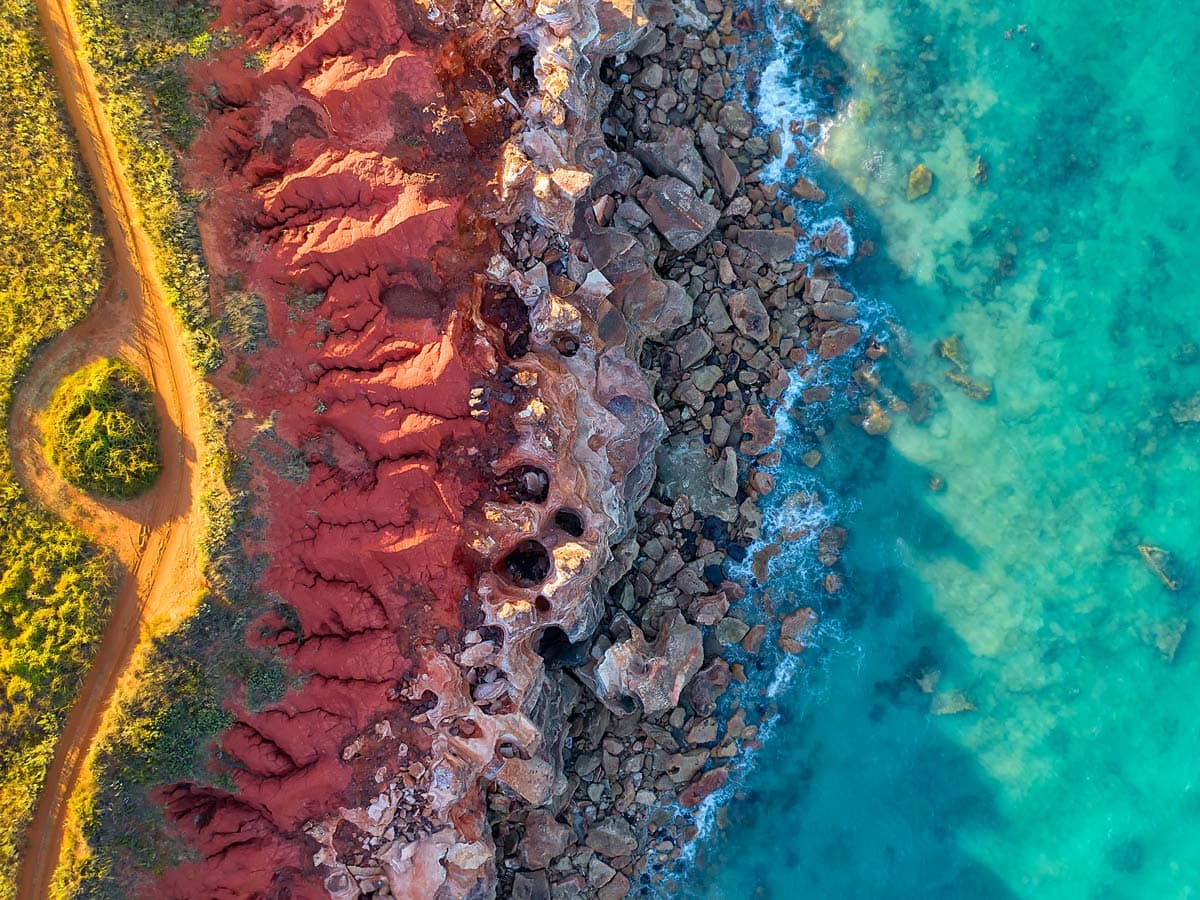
x=1071 y=278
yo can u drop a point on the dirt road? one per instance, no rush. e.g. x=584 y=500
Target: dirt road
x=155 y=537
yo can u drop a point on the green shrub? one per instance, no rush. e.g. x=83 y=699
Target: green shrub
x=102 y=432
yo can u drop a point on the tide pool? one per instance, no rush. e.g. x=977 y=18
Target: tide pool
x=993 y=570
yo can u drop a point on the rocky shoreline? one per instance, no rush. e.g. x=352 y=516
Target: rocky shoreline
x=509 y=262
x=652 y=739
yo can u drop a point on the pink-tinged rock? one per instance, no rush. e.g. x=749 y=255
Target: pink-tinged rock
x=749 y=315
x=544 y=841
x=794 y=630
x=703 y=787
x=653 y=675
x=838 y=339
x=836 y=240
x=709 y=609
x=760 y=430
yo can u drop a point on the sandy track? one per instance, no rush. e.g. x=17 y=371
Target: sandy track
x=155 y=537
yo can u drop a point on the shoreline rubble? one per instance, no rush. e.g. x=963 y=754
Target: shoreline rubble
x=732 y=322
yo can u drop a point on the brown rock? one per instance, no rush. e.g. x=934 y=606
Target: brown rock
x=678 y=214
x=650 y=78
x=683 y=767
x=838 y=312
x=713 y=86
x=838 y=339
x=749 y=315
x=617 y=889
x=754 y=638
x=708 y=687
x=807 y=190
x=794 y=630
x=704 y=786
x=544 y=841
x=759 y=428
x=734 y=119
x=674 y=154
x=611 y=837
x=772 y=244
x=709 y=609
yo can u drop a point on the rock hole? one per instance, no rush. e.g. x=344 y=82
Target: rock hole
x=528 y=565
x=566 y=344
x=503 y=309
x=556 y=649
x=569 y=521
x=542 y=604
x=524 y=484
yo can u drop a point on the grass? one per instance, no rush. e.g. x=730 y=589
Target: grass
x=102 y=432
x=55 y=587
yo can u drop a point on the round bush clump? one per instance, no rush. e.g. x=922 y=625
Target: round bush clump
x=101 y=430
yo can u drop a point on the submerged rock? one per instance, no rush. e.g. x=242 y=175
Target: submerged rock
x=920 y=181
x=950 y=703
x=1158 y=561
x=795 y=629
x=972 y=387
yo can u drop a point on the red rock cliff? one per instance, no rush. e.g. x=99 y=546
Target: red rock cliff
x=447 y=425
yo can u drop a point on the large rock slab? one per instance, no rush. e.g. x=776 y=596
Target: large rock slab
x=679 y=215
x=675 y=154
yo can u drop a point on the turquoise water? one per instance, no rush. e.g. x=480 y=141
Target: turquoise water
x=1017 y=589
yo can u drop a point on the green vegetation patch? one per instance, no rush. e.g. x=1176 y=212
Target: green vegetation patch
x=102 y=432
x=55 y=587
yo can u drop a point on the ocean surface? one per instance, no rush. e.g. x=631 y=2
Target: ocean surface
x=1005 y=698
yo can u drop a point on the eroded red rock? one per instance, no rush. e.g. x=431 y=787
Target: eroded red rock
x=443 y=444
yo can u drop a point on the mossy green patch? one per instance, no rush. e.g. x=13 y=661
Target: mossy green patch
x=102 y=432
